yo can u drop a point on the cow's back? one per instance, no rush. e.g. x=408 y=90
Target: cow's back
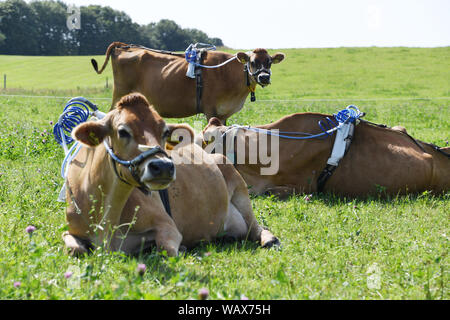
x=161 y=78
x=379 y=161
x=382 y=161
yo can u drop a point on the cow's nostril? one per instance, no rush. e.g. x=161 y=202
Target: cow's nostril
x=264 y=78
x=160 y=168
x=154 y=167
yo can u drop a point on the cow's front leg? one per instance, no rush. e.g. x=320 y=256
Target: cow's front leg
x=168 y=238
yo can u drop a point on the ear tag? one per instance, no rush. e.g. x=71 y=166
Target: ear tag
x=93 y=138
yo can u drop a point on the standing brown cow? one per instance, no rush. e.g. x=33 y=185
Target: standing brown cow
x=161 y=77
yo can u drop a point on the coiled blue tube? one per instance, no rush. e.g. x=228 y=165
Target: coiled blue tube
x=351 y=113
x=327 y=125
x=75 y=112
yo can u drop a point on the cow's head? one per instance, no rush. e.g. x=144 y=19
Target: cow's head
x=135 y=133
x=214 y=128
x=258 y=63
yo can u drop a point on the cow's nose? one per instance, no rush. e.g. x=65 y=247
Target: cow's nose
x=264 y=78
x=161 y=168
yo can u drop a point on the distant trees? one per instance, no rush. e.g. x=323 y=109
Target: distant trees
x=102 y=25
x=39 y=28
x=50 y=27
x=18 y=25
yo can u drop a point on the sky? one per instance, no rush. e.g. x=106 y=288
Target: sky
x=244 y=24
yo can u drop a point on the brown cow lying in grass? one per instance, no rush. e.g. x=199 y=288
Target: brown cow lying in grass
x=379 y=159
x=161 y=78
x=104 y=206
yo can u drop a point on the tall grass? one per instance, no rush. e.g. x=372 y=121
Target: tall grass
x=332 y=248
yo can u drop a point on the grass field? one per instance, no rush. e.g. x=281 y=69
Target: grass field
x=331 y=248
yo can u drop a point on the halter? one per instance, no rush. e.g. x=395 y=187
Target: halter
x=257 y=72
x=133 y=164
x=254 y=75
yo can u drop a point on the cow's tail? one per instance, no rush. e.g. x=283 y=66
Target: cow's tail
x=111 y=47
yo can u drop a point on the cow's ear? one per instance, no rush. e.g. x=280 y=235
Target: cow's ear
x=243 y=57
x=277 y=57
x=91 y=133
x=179 y=133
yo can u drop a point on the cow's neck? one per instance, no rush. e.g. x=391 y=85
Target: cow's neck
x=111 y=192
x=247 y=144
x=236 y=99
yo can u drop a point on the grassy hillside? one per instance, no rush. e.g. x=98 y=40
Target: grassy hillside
x=306 y=73
x=331 y=248
x=51 y=73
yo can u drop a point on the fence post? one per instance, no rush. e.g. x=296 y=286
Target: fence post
x=4 y=81
x=106 y=82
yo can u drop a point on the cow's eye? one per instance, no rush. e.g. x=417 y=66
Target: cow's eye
x=124 y=134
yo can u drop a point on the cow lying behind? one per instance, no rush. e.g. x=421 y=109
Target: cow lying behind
x=379 y=159
x=104 y=206
x=161 y=78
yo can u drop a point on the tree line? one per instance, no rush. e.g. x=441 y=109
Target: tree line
x=40 y=28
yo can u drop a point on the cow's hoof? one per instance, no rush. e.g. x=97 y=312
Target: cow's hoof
x=74 y=246
x=268 y=240
x=272 y=243
x=171 y=251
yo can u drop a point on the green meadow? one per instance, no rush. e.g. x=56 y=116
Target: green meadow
x=306 y=73
x=332 y=248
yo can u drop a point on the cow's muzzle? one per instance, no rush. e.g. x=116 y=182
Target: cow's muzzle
x=158 y=173
x=263 y=79
x=261 y=76
x=149 y=171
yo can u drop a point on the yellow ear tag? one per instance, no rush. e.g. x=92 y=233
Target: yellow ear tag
x=93 y=138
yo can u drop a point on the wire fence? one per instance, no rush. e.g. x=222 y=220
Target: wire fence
x=46 y=97
x=259 y=100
